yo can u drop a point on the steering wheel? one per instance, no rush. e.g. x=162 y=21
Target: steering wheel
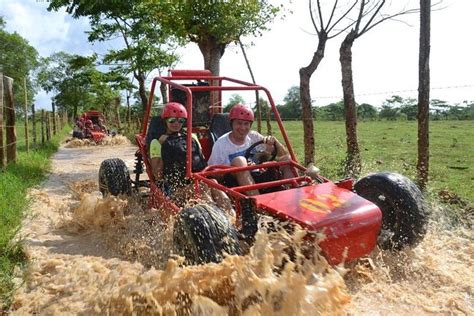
x=259 y=156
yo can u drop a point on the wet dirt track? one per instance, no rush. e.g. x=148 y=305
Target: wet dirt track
x=96 y=265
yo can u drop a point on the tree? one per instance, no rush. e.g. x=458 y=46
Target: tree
x=291 y=109
x=323 y=30
x=424 y=93
x=146 y=45
x=234 y=99
x=332 y=111
x=212 y=25
x=366 y=111
x=18 y=60
x=77 y=84
x=369 y=15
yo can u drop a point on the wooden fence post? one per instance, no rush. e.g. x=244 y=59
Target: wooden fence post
x=10 y=114
x=3 y=162
x=53 y=106
x=42 y=127
x=48 y=126
x=33 y=118
x=27 y=143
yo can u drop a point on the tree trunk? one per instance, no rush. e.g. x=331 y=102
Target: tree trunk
x=117 y=113
x=305 y=96
x=212 y=52
x=353 y=162
x=424 y=93
x=128 y=111
x=257 y=101
x=142 y=89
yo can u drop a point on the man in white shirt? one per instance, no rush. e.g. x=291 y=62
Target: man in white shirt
x=230 y=148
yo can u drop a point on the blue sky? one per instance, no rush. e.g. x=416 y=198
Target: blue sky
x=385 y=60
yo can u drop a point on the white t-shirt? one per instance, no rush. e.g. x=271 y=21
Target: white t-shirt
x=224 y=150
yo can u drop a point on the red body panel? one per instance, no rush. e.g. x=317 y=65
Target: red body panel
x=350 y=223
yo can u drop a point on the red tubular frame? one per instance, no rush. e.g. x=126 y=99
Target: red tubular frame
x=205 y=175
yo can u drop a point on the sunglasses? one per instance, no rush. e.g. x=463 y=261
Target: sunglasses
x=175 y=119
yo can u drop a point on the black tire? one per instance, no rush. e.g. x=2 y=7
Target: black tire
x=77 y=134
x=114 y=178
x=203 y=234
x=404 y=210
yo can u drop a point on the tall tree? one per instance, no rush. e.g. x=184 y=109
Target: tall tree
x=18 y=60
x=146 y=46
x=212 y=25
x=424 y=93
x=323 y=30
x=369 y=15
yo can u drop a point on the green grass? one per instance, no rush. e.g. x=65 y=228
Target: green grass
x=28 y=172
x=392 y=146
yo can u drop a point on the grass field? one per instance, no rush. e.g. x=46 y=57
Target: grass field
x=392 y=146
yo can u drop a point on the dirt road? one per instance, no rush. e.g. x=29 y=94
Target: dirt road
x=83 y=263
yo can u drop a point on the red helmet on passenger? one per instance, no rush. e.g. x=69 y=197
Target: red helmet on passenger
x=88 y=123
x=174 y=109
x=241 y=112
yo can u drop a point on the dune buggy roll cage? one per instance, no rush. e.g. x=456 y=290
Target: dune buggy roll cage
x=216 y=84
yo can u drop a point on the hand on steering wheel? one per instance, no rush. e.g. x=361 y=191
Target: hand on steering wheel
x=257 y=157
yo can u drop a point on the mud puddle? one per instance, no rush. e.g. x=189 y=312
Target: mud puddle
x=101 y=256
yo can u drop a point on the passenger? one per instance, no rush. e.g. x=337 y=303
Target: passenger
x=230 y=148
x=168 y=158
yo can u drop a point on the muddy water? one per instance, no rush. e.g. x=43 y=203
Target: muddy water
x=101 y=256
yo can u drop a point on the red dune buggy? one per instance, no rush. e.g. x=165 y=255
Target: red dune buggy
x=91 y=125
x=384 y=208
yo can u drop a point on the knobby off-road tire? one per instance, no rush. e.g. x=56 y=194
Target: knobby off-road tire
x=114 y=178
x=203 y=234
x=77 y=134
x=404 y=210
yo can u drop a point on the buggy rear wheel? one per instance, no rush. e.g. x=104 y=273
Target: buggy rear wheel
x=77 y=134
x=114 y=178
x=203 y=234
x=404 y=210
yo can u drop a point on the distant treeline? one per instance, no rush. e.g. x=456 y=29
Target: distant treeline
x=395 y=108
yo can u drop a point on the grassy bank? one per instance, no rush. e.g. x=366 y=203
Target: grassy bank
x=28 y=172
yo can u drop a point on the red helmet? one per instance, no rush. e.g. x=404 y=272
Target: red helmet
x=174 y=109
x=88 y=123
x=241 y=112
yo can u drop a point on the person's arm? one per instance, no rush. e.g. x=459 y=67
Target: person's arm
x=155 y=159
x=273 y=141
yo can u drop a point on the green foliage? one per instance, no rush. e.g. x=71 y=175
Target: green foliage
x=77 y=83
x=224 y=21
x=291 y=109
x=18 y=60
x=366 y=112
x=234 y=99
x=146 y=45
x=331 y=112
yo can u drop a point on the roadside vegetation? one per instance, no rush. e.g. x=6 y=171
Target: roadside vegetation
x=15 y=181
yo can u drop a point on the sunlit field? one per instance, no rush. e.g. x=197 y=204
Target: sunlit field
x=392 y=146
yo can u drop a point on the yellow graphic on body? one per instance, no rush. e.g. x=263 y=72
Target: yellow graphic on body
x=322 y=203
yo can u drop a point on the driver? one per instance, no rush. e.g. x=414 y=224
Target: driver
x=230 y=148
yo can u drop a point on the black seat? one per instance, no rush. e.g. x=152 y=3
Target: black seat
x=220 y=124
x=156 y=128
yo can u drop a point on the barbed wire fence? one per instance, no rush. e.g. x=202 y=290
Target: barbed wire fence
x=11 y=141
